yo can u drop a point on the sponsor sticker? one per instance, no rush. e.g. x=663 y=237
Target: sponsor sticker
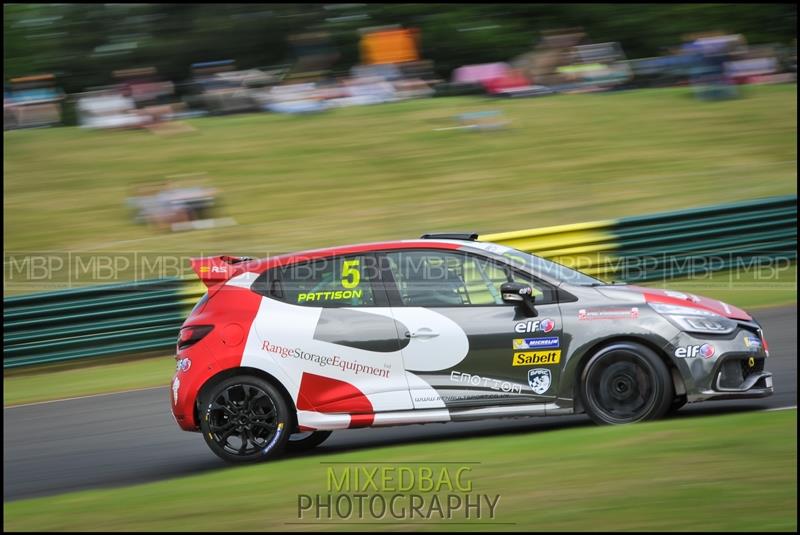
x=536 y=343
x=184 y=365
x=706 y=351
x=324 y=360
x=752 y=343
x=608 y=313
x=533 y=358
x=176 y=385
x=477 y=380
x=544 y=325
x=332 y=295
x=539 y=380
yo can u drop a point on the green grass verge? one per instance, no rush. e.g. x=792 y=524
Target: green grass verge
x=42 y=383
x=723 y=473
x=384 y=172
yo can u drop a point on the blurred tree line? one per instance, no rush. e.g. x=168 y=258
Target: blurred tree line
x=83 y=43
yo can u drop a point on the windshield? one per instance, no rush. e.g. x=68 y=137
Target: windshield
x=536 y=264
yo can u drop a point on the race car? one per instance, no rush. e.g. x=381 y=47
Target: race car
x=282 y=351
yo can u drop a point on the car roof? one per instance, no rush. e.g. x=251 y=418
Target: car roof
x=310 y=254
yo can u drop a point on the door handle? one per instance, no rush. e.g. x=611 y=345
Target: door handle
x=424 y=332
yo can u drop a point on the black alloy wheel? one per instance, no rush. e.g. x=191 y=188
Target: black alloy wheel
x=245 y=419
x=624 y=383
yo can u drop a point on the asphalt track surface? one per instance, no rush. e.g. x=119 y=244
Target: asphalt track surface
x=127 y=438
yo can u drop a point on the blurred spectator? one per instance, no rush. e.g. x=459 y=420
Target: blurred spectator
x=709 y=54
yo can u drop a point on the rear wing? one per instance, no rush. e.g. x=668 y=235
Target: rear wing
x=214 y=270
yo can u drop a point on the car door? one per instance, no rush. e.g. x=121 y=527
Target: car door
x=462 y=345
x=326 y=325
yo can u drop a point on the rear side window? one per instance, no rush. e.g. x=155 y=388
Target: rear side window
x=341 y=281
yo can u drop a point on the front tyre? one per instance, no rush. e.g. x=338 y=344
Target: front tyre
x=245 y=419
x=625 y=383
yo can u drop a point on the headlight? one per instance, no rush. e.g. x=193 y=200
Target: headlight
x=695 y=320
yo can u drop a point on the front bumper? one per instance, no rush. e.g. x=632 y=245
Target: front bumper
x=757 y=385
x=735 y=370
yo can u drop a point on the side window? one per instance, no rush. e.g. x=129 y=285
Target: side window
x=544 y=293
x=331 y=282
x=443 y=279
x=446 y=279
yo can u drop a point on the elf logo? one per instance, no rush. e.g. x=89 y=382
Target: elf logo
x=545 y=326
x=706 y=351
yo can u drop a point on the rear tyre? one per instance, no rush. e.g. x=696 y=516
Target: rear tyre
x=305 y=441
x=625 y=383
x=245 y=419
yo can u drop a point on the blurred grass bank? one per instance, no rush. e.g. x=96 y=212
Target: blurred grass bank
x=386 y=172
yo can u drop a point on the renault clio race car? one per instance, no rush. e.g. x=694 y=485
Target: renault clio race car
x=281 y=351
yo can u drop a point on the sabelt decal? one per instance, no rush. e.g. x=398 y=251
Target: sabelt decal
x=539 y=380
x=536 y=343
x=487 y=382
x=706 y=351
x=608 y=313
x=534 y=358
x=544 y=325
x=324 y=360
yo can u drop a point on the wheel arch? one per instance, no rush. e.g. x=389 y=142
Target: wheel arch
x=244 y=370
x=679 y=387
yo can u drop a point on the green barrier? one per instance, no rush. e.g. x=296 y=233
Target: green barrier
x=636 y=249
x=146 y=315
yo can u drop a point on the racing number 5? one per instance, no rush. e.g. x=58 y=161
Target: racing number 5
x=351 y=276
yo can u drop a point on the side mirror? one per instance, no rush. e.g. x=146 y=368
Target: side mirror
x=517 y=293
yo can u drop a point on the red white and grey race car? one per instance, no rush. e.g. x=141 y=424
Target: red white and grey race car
x=281 y=351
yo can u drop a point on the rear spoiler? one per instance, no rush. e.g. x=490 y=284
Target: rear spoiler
x=214 y=270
